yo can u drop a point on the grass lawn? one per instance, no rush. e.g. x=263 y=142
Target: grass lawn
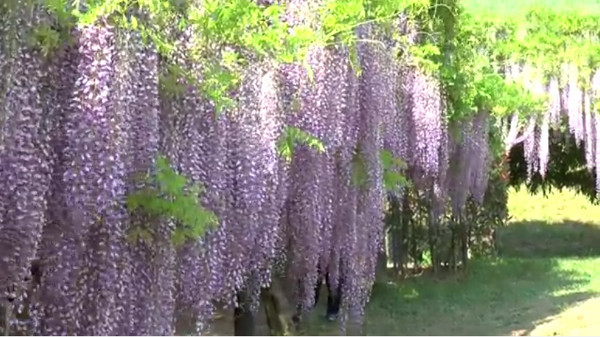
x=546 y=281
x=517 y=8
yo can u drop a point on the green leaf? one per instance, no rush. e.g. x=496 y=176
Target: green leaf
x=134 y=22
x=169 y=194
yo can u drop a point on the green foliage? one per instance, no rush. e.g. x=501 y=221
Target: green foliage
x=393 y=167
x=46 y=39
x=425 y=57
x=169 y=195
x=472 y=80
x=468 y=52
x=486 y=41
x=170 y=78
x=541 y=37
x=227 y=34
x=547 y=39
x=360 y=173
x=393 y=172
x=293 y=137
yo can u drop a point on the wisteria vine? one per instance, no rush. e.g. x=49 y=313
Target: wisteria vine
x=141 y=170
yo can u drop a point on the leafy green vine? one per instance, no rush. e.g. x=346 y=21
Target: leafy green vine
x=168 y=195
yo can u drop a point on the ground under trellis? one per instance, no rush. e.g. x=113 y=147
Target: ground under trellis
x=275 y=315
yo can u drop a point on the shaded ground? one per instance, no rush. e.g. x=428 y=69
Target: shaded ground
x=546 y=281
x=496 y=297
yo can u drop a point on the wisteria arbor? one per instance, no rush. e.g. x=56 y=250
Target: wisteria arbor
x=159 y=159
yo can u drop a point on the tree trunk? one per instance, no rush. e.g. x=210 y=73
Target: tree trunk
x=381 y=274
x=394 y=224
x=453 y=241
x=243 y=318
x=277 y=310
x=468 y=240
x=433 y=234
x=404 y=237
x=464 y=242
x=413 y=243
x=5 y=311
x=395 y=251
x=8 y=305
x=334 y=298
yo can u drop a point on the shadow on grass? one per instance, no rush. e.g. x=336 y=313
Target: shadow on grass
x=495 y=297
x=542 y=269
x=543 y=239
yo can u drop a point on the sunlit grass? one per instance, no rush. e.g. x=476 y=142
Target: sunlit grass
x=544 y=282
x=557 y=207
x=580 y=320
x=515 y=8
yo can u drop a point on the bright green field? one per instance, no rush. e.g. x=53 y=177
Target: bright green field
x=518 y=7
x=546 y=281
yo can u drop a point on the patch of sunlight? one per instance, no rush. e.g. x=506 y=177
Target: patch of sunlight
x=557 y=206
x=412 y=294
x=578 y=320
